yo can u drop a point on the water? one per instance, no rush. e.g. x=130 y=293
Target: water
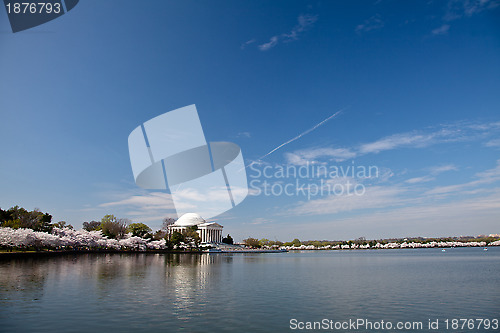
x=245 y=292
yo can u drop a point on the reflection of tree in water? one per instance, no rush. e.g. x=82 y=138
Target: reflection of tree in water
x=114 y=275
x=178 y=284
x=191 y=279
x=23 y=280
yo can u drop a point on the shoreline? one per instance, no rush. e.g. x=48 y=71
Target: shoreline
x=28 y=254
x=13 y=254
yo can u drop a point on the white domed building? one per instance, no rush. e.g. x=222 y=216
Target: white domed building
x=210 y=232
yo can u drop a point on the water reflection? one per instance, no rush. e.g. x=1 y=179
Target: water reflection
x=181 y=279
x=189 y=277
x=27 y=276
x=22 y=278
x=241 y=292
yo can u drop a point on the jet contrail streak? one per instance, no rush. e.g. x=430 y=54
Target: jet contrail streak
x=302 y=134
x=299 y=136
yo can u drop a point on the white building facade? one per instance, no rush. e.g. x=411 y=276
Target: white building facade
x=209 y=232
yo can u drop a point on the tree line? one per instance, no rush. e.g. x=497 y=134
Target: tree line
x=110 y=226
x=361 y=241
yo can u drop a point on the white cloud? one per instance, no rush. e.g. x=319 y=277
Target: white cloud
x=442 y=30
x=442 y=168
x=400 y=211
x=269 y=45
x=373 y=23
x=304 y=156
x=304 y=23
x=465 y=217
x=152 y=200
x=416 y=180
x=296 y=159
x=380 y=197
x=384 y=175
x=487 y=177
x=374 y=197
x=144 y=207
x=154 y=206
x=248 y=42
x=459 y=132
x=493 y=143
x=490 y=174
x=244 y=135
x=396 y=141
x=457 y=9
x=260 y=220
x=434 y=171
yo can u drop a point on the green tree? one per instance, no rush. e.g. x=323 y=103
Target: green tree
x=177 y=238
x=296 y=242
x=34 y=219
x=228 y=240
x=159 y=234
x=316 y=244
x=276 y=243
x=42 y=221
x=191 y=236
x=91 y=226
x=113 y=227
x=252 y=242
x=4 y=216
x=14 y=224
x=264 y=242
x=139 y=230
x=63 y=224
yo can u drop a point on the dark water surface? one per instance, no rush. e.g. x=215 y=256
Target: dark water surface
x=246 y=292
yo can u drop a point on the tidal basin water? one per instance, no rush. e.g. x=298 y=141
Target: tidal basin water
x=246 y=292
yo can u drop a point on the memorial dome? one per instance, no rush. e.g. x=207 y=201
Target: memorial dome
x=189 y=220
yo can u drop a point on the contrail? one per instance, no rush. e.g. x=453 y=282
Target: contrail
x=298 y=136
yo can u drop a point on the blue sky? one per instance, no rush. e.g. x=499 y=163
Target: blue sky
x=418 y=84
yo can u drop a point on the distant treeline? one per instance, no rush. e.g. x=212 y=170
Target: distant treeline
x=362 y=242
